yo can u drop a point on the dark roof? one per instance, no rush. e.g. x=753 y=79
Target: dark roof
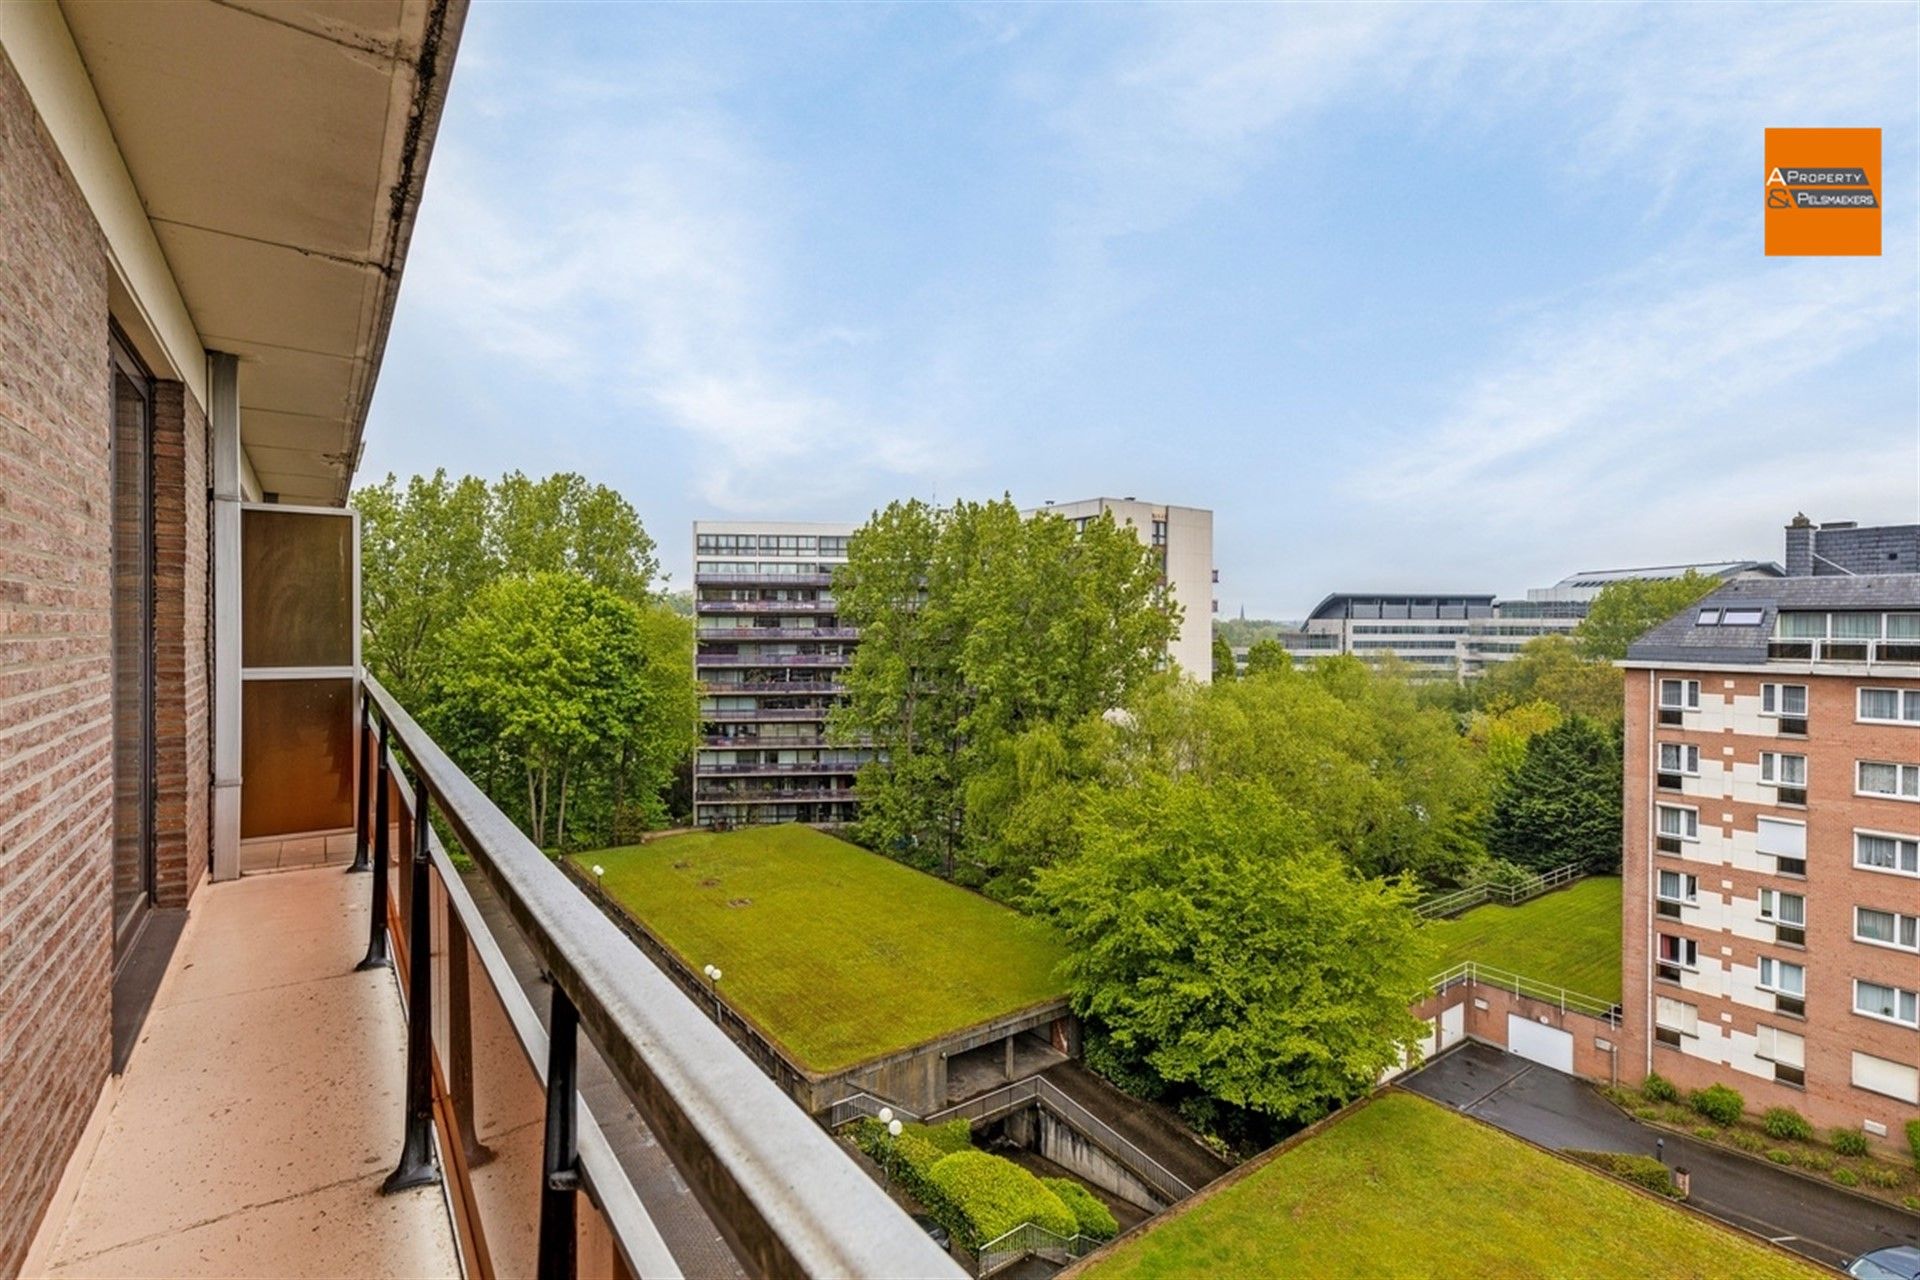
x=1681 y=638
x=1336 y=605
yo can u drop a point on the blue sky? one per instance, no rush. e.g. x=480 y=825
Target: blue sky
x=1440 y=297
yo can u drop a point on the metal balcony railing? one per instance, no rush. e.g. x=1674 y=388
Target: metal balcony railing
x=785 y=1197
x=1472 y=973
x=777 y=633
x=719 y=689
x=770 y=796
x=824 y=605
x=764 y=579
x=758 y=715
x=772 y=661
x=848 y=768
x=1869 y=652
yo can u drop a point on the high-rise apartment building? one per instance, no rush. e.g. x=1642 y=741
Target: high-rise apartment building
x=771 y=656
x=1183 y=537
x=1772 y=844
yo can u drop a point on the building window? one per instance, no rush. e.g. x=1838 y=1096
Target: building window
x=1674 y=1019
x=1675 y=890
x=1783 y=841
x=1894 y=1079
x=1679 y=757
x=1878 y=778
x=1676 y=954
x=1742 y=617
x=1856 y=626
x=1677 y=696
x=1675 y=825
x=1801 y=626
x=1897 y=854
x=1788 y=984
x=1890 y=706
x=1785 y=1050
x=1889 y=1004
x=1787 y=774
x=1886 y=928
x=1787 y=702
x=1787 y=913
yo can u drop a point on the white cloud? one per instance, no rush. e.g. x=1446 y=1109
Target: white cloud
x=639 y=254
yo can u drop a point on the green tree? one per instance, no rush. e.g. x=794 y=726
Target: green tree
x=1551 y=669
x=1624 y=611
x=1267 y=656
x=1224 y=667
x=563 y=523
x=978 y=625
x=1211 y=939
x=423 y=557
x=552 y=678
x=1501 y=737
x=1562 y=804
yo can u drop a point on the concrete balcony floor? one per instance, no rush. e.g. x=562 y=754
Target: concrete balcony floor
x=261 y=1108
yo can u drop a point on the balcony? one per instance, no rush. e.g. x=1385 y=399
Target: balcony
x=715 y=688
x=777 y=633
x=1867 y=652
x=292 y=1111
x=764 y=606
x=771 y=796
x=774 y=770
x=763 y=579
x=773 y=661
x=756 y=716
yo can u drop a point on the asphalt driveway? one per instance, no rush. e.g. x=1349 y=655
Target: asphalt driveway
x=1826 y=1223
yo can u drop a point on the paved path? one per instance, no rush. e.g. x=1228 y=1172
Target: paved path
x=1826 y=1223
x=1148 y=1127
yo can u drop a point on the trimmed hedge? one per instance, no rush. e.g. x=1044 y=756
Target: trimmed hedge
x=954 y=1135
x=1719 y=1104
x=1095 y=1219
x=993 y=1195
x=1641 y=1171
x=1786 y=1124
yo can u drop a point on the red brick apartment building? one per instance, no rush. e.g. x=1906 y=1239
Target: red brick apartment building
x=205 y=209
x=1772 y=801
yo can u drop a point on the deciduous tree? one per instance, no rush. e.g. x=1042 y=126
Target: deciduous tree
x=1626 y=610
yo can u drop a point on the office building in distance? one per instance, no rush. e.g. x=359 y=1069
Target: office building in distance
x=1772 y=819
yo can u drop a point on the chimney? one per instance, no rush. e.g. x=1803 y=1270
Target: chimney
x=1800 y=547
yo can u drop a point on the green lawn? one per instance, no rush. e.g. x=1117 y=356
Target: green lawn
x=1404 y=1187
x=1570 y=938
x=838 y=954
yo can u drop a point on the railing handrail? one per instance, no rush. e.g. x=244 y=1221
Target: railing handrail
x=1458 y=900
x=1472 y=971
x=785 y=1195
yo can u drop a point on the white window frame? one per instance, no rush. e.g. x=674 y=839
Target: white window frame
x=1771 y=772
x=1742 y=616
x=1904 y=772
x=1769 y=908
x=1689 y=691
x=1900 y=919
x=1689 y=886
x=1900 y=995
x=1899 y=839
x=1905 y=700
x=1766 y=1046
x=1774 y=963
x=1689 y=757
x=1677 y=1015
x=1773 y=699
x=1689 y=825
x=1688 y=946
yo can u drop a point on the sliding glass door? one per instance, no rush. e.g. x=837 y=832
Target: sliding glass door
x=132 y=638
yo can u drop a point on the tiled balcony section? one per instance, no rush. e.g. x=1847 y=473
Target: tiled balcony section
x=262 y=1106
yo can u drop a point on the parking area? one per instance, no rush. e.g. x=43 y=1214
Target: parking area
x=1824 y=1222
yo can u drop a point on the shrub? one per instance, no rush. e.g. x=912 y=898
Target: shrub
x=1818 y=1161
x=1706 y=1131
x=1911 y=1202
x=993 y=1195
x=1641 y=1171
x=1846 y=1177
x=1095 y=1219
x=910 y=1158
x=1747 y=1141
x=1720 y=1104
x=1659 y=1089
x=1850 y=1142
x=1879 y=1175
x=954 y=1135
x=1913 y=1139
x=1786 y=1124
x=1646 y=1113
x=1780 y=1157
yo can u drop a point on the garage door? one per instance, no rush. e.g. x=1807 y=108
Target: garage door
x=1549 y=1046
x=1453 y=1025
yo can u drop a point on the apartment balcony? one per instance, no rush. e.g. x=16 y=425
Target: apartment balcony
x=718 y=689
x=771 y=796
x=783 y=715
x=1853 y=652
x=762 y=580
x=777 y=633
x=772 y=770
x=495 y=1081
x=765 y=606
x=809 y=743
x=771 y=660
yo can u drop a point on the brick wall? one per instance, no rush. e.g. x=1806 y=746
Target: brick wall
x=181 y=762
x=1484 y=1012
x=55 y=674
